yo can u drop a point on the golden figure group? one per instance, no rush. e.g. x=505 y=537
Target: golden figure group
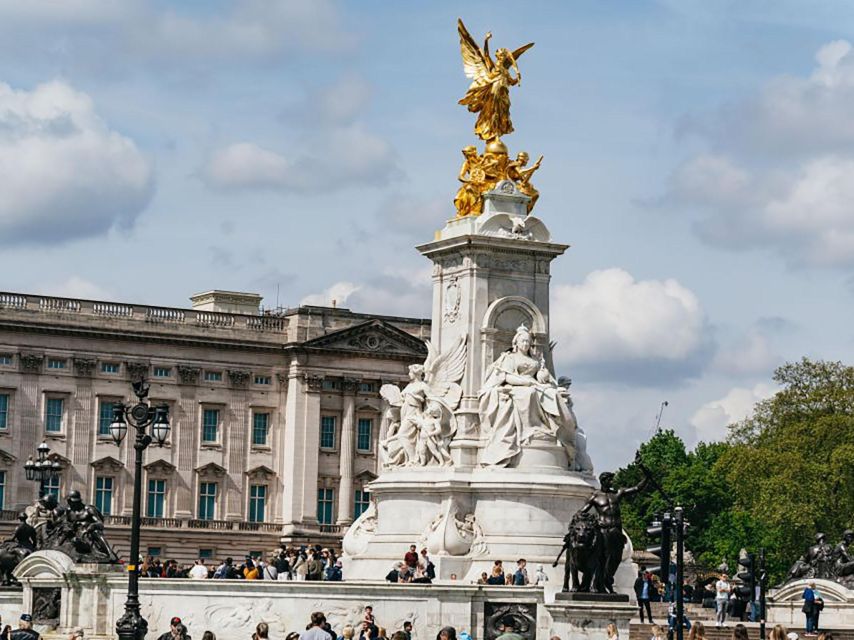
x=489 y=97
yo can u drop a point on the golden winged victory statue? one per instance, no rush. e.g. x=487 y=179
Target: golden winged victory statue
x=489 y=97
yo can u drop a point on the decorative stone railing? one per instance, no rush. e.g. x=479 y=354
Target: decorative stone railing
x=141 y=313
x=180 y=523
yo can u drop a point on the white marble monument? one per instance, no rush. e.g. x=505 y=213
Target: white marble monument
x=482 y=456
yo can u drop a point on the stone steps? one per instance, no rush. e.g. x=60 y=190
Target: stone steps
x=638 y=631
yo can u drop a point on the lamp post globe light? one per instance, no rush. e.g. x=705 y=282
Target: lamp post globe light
x=42 y=469
x=131 y=625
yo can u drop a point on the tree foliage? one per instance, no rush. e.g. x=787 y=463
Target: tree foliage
x=782 y=475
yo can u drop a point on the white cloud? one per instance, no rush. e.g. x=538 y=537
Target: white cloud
x=241 y=28
x=75 y=287
x=338 y=103
x=333 y=159
x=63 y=173
x=752 y=354
x=619 y=328
x=711 y=420
x=339 y=293
x=779 y=174
x=400 y=292
x=415 y=217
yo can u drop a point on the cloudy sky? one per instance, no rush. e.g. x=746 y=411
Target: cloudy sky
x=699 y=158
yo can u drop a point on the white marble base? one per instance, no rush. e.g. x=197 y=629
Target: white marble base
x=784 y=605
x=589 y=620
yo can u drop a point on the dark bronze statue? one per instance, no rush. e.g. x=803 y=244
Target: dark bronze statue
x=12 y=550
x=597 y=559
x=78 y=530
x=826 y=562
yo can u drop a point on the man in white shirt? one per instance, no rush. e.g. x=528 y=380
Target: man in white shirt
x=722 y=591
x=199 y=570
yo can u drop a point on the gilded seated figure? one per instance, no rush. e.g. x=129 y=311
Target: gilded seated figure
x=521 y=401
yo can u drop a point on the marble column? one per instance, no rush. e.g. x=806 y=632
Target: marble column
x=347 y=453
x=301 y=452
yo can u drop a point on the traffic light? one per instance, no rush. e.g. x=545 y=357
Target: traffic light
x=660 y=529
x=747 y=575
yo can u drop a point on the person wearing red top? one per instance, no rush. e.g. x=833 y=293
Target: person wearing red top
x=411 y=557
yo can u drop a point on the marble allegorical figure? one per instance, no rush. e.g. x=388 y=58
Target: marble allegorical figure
x=420 y=417
x=519 y=402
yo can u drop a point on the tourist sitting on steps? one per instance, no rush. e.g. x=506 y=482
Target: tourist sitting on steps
x=177 y=631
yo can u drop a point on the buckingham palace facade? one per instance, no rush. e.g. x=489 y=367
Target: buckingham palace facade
x=275 y=416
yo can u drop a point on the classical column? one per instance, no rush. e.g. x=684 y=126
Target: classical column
x=301 y=452
x=347 y=453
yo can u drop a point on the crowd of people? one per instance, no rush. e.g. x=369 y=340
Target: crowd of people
x=303 y=563
x=318 y=628
x=418 y=568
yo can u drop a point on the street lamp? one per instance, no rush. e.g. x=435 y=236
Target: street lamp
x=42 y=468
x=131 y=625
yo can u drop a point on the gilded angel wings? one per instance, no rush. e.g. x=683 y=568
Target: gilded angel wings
x=489 y=95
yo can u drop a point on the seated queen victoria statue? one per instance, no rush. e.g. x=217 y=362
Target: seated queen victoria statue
x=520 y=401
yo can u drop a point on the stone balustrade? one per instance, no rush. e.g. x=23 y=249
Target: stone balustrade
x=182 y=523
x=73 y=308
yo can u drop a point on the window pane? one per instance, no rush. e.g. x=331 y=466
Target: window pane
x=105 y=417
x=156 y=498
x=109 y=367
x=213 y=376
x=207 y=500
x=363 y=436
x=327 y=432
x=263 y=380
x=162 y=372
x=260 y=425
x=104 y=495
x=53 y=415
x=52 y=486
x=210 y=425
x=2 y=489
x=4 y=410
x=55 y=363
x=257 y=502
x=325 y=501
x=5 y=359
x=361 y=503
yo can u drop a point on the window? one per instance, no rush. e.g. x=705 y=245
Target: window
x=257 y=502
x=206 y=554
x=210 y=425
x=156 y=498
x=105 y=417
x=263 y=380
x=260 y=426
x=53 y=486
x=109 y=367
x=162 y=372
x=329 y=384
x=5 y=359
x=327 y=432
x=325 y=502
x=155 y=552
x=367 y=387
x=2 y=489
x=361 y=503
x=213 y=376
x=104 y=495
x=363 y=434
x=55 y=363
x=4 y=411
x=207 y=500
x=53 y=415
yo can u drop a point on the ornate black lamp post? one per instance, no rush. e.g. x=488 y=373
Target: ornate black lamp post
x=42 y=468
x=132 y=626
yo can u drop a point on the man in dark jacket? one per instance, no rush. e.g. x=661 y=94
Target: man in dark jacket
x=177 y=631
x=314 y=569
x=25 y=629
x=643 y=592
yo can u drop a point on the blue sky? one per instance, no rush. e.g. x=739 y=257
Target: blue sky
x=699 y=158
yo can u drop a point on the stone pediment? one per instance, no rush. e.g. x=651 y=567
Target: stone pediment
x=62 y=460
x=211 y=469
x=6 y=458
x=366 y=476
x=261 y=472
x=107 y=463
x=161 y=467
x=375 y=337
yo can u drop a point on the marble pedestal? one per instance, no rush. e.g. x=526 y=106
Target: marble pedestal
x=784 y=604
x=587 y=616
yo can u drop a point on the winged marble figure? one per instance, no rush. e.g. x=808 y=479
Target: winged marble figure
x=421 y=416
